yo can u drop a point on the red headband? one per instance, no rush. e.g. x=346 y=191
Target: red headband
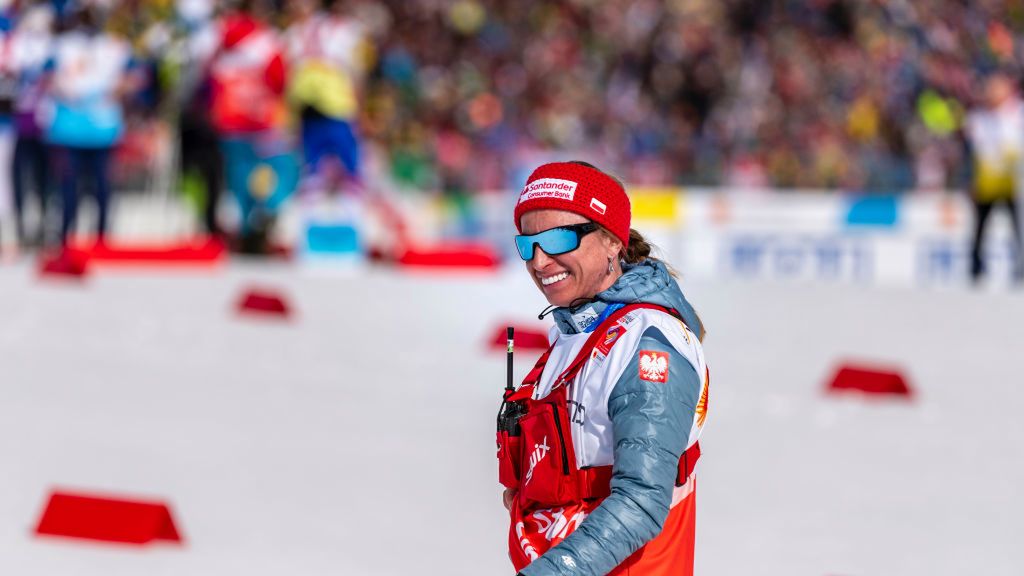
x=580 y=189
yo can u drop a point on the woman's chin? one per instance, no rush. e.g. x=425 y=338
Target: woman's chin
x=557 y=296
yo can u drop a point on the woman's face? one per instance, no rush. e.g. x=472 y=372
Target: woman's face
x=582 y=273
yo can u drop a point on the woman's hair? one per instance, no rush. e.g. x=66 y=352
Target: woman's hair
x=639 y=249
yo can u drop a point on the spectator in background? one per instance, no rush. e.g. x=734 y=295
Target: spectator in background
x=83 y=116
x=30 y=53
x=7 y=93
x=194 y=45
x=248 y=76
x=326 y=51
x=995 y=134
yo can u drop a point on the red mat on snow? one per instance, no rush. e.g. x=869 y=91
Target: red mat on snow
x=264 y=302
x=526 y=338
x=870 y=380
x=200 y=252
x=107 y=519
x=451 y=255
x=63 y=265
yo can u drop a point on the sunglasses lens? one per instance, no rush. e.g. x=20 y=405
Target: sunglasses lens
x=559 y=241
x=554 y=241
x=525 y=246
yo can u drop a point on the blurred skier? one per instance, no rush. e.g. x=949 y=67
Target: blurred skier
x=326 y=51
x=248 y=77
x=597 y=447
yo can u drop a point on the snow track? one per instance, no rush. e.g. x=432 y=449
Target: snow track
x=358 y=437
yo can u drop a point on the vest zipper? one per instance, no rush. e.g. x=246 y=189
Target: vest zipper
x=561 y=438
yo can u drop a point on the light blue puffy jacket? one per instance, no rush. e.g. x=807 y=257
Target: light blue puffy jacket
x=651 y=424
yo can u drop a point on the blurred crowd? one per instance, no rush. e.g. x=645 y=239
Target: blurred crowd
x=255 y=96
x=865 y=95
x=266 y=97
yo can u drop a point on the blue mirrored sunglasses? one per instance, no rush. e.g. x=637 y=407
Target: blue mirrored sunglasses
x=554 y=240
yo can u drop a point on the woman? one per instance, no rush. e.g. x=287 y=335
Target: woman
x=598 y=462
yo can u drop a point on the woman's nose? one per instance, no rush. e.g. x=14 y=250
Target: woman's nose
x=540 y=258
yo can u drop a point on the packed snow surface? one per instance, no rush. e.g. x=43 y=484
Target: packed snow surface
x=357 y=438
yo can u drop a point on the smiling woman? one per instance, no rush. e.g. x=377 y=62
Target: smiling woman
x=566 y=262
x=597 y=447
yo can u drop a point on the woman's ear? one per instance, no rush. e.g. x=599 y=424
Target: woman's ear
x=614 y=246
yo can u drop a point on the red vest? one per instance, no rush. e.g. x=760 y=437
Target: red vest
x=553 y=496
x=247 y=79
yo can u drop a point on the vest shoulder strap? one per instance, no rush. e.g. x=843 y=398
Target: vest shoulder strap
x=588 y=347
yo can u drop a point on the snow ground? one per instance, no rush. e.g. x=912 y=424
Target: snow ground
x=357 y=439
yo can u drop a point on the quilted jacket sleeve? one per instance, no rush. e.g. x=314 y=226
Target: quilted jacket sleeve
x=651 y=422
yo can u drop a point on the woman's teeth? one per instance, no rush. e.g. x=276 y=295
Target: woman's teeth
x=552 y=279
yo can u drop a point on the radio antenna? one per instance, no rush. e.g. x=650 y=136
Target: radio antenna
x=509 y=331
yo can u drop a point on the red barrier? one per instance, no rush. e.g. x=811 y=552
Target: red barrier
x=869 y=380
x=64 y=264
x=264 y=302
x=107 y=519
x=451 y=255
x=527 y=338
x=200 y=252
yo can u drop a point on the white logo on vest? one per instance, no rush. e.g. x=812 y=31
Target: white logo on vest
x=539 y=451
x=555 y=524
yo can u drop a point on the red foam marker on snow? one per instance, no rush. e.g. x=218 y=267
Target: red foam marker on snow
x=525 y=338
x=451 y=255
x=264 y=302
x=869 y=380
x=107 y=519
x=64 y=264
x=196 y=252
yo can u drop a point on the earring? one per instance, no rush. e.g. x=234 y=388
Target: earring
x=610 y=267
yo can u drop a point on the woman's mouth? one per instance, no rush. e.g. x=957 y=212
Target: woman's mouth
x=549 y=280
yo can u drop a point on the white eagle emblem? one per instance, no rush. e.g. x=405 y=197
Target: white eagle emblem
x=653 y=366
